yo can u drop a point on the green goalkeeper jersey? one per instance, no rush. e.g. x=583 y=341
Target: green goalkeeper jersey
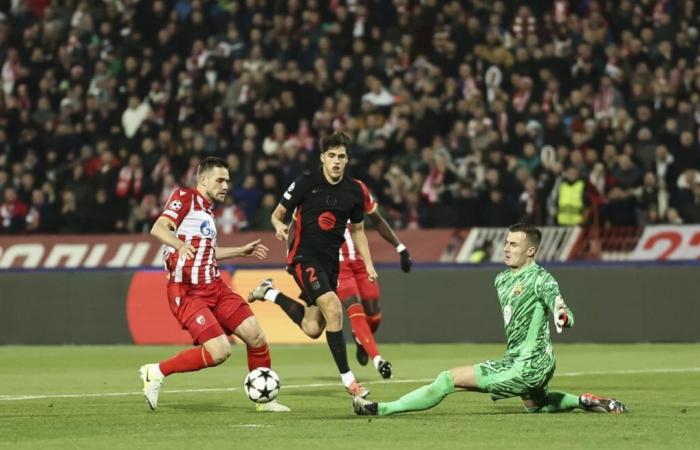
x=527 y=300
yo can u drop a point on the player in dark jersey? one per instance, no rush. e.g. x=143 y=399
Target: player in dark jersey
x=324 y=200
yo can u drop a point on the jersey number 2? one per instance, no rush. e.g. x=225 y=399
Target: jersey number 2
x=312 y=274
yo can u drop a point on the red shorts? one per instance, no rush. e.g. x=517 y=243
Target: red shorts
x=207 y=310
x=354 y=280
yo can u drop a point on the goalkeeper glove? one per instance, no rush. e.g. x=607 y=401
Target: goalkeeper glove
x=560 y=316
x=406 y=261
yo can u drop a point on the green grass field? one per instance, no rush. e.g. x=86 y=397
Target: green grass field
x=89 y=397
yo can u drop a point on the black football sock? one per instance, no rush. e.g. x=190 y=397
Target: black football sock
x=292 y=308
x=336 y=342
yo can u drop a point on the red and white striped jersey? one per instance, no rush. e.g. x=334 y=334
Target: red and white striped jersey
x=194 y=222
x=348 y=250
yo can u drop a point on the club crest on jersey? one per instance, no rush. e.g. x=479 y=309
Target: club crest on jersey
x=518 y=289
x=200 y=319
x=175 y=205
x=507 y=314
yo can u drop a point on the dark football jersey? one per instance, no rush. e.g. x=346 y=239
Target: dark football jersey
x=322 y=212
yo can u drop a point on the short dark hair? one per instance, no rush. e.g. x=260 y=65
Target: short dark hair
x=337 y=139
x=532 y=233
x=209 y=163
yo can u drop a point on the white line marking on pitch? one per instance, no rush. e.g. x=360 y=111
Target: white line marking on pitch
x=10 y=397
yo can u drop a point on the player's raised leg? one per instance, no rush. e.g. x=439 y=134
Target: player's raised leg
x=325 y=311
x=309 y=319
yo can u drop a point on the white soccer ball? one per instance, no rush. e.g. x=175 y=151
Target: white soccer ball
x=262 y=385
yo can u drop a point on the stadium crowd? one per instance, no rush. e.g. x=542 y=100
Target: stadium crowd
x=461 y=113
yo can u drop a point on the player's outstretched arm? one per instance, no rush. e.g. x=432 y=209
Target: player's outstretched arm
x=277 y=219
x=386 y=232
x=164 y=231
x=254 y=248
x=562 y=314
x=357 y=231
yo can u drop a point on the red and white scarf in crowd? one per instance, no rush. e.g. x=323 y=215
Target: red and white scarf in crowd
x=521 y=99
x=126 y=175
x=431 y=186
x=603 y=102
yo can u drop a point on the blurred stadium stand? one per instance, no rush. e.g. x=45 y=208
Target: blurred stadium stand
x=462 y=114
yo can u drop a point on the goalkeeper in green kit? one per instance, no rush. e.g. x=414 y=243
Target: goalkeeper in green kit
x=528 y=295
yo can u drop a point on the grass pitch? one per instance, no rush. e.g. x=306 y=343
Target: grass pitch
x=89 y=397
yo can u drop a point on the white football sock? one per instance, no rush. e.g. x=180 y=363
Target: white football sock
x=376 y=360
x=271 y=295
x=347 y=378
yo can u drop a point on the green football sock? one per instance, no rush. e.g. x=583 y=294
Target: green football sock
x=557 y=402
x=424 y=397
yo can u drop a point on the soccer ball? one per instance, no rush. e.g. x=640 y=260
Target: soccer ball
x=262 y=385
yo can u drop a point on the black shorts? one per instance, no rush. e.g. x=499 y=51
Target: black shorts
x=314 y=279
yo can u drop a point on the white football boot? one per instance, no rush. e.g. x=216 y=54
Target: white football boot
x=272 y=406
x=152 y=382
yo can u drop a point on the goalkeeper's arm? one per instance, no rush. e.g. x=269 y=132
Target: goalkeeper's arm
x=563 y=317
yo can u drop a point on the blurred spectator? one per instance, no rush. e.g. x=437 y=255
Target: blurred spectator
x=571 y=199
x=136 y=93
x=102 y=214
x=142 y=218
x=12 y=212
x=71 y=218
x=620 y=211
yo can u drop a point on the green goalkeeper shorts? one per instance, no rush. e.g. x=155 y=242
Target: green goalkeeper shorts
x=506 y=378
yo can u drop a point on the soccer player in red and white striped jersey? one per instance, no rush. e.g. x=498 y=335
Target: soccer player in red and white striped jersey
x=359 y=295
x=201 y=302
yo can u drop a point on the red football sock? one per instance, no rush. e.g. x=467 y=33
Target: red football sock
x=189 y=360
x=374 y=321
x=363 y=334
x=259 y=357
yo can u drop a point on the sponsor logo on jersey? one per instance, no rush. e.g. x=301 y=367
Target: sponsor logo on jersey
x=175 y=205
x=326 y=221
x=200 y=319
x=507 y=314
x=205 y=228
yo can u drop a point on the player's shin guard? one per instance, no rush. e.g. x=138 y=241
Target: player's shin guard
x=336 y=342
x=422 y=398
x=292 y=308
x=189 y=360
x=373 y=321
x=358 y=321
x=259 y=357
x=557 y=402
